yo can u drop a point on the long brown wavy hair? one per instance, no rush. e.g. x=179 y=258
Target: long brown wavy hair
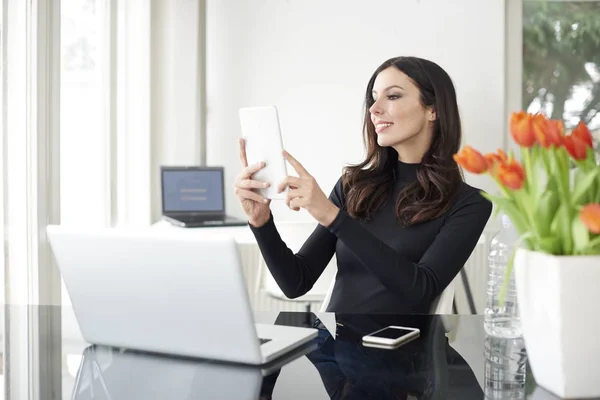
x=369 y=184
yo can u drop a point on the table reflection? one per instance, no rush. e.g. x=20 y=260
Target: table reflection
x=427 y=368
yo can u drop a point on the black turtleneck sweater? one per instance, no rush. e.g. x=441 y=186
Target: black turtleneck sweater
x=383 y=267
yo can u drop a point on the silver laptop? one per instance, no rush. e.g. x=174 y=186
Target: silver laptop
x=166 y=292
x=194 y=197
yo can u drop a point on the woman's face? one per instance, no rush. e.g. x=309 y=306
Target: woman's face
x=399 y=117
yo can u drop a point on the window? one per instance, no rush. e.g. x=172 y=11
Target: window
x=36 y=65
x=84 y=127
x=561 y=61
x=105 y=112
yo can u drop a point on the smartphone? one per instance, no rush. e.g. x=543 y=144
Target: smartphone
x=391 y=336
x=262 y=134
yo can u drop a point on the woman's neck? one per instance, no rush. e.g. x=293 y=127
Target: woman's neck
x=413 y=150
x=406 y=172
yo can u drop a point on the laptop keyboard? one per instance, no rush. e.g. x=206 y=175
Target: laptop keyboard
x=263 y=341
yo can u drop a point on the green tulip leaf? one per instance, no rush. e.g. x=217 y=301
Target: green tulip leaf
x=581 y=235
x=561 y=228
x=547 y=207
x=510 y=208
x=593 y=246
x=582 y=186
x=549 y=245
x=552 y=185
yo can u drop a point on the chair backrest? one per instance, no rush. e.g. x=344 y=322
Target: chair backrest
x=441 y=305
x=327 y=298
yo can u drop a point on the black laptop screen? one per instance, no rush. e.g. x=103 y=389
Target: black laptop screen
x=192 y=190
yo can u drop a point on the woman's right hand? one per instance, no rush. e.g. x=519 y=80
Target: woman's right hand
x=254 y=205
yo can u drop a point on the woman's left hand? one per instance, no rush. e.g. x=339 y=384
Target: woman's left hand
x=304 y=192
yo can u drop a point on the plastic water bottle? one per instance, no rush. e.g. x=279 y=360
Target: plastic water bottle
x=505 y=368
x=502 y=321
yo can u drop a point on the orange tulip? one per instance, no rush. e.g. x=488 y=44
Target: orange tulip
x=582 y=132
x=548 y=132
x=590 y=216
x=521 y=129
x=576 y=147
x=511 y=174
x=493 y=159
x=471 y=160
x=502 y=155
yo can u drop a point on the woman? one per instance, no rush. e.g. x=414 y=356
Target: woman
x=403 y=222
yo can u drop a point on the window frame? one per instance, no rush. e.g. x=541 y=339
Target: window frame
x=30 y=173
x=16 y=323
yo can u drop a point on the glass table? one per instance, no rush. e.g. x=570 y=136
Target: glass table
x=453 y=358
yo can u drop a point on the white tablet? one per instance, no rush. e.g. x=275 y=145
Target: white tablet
x=260 y=130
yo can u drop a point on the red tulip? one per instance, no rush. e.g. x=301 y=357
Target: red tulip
x=511 y=174
x=471 y=160
x=582 y=132
x=548 y=132
x=521 y=129
x=576 y=147
x=590 y=216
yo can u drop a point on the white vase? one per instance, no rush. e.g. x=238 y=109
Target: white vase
x=559 y=303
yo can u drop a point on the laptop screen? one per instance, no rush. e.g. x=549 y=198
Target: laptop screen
x=192 y=190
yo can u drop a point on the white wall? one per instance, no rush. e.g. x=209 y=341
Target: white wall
x=313 y=59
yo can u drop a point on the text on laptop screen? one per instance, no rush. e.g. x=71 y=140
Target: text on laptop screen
x=192 y=190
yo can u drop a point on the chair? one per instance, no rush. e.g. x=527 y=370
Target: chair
x=294 y=234
x=441 y=305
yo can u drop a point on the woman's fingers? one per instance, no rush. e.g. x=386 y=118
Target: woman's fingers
x=289 y=180
x=251 y=170
x=292 y=198
x=302 y=172
x=249 y=194
x=292 y=204
x=242 y=146
x=251 y=184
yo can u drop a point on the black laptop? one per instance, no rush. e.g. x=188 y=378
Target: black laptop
x=195 y=197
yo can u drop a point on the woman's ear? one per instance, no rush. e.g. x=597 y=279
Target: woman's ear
x=432 y=115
